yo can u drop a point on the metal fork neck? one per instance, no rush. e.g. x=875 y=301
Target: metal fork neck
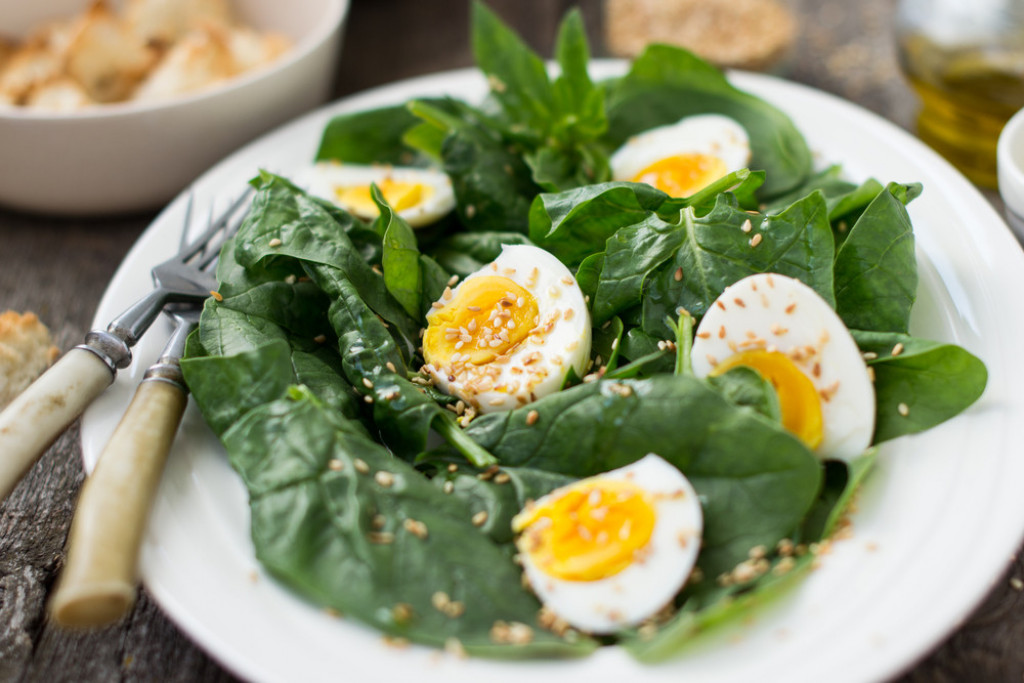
x=130 y=325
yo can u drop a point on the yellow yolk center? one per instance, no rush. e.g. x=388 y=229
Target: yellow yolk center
x=798 y=399
x=488 y=316
x=683 y=174
x=591 y=531
x=399 y=194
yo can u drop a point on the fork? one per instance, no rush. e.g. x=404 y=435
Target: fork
x=97 y=585
x=37 y=416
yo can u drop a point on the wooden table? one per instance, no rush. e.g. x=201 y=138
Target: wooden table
x=59 y=268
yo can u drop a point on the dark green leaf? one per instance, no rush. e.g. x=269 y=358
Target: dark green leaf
x=666 y=84
x=876 y=268
x=933 y=380
x=348 y=538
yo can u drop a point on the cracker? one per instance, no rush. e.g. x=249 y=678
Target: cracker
x=26 y=349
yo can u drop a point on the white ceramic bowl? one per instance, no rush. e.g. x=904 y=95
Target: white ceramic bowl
x=1010 y=168
x=130 y=156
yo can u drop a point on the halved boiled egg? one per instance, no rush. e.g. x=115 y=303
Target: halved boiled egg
x=781 y=328
x=684 y=157
x=508 y=334
x=609 y=551
x=419 y=195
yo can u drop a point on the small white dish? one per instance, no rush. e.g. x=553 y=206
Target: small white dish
x=1010 y=168
x=134 y=156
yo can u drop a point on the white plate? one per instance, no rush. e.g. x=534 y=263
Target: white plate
x=936 y=524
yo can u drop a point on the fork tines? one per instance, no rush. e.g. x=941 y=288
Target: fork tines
x=207 y=245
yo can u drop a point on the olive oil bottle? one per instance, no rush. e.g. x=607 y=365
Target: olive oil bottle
x=966 y=62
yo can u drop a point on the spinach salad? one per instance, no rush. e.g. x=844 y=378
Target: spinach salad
x=374 y=494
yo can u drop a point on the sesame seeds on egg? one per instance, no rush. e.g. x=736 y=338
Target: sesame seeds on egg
x=781 y=328
x=508 y=334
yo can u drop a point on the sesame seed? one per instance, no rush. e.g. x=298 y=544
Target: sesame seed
x=361 y=466
x=704 y=335
x=470 y=211
x=869 y=355
x=755 y=240
x=502 y=478
x=739 y=302
x=275 y=242
x=437 y=304
x=402 y=612
x=712 y=360
x=452 y=280
x=367 y=383
x=383 y=478
x=216 y=295
x=448 y=487
x=747 y=226
x=290 y=279
x=1017 y=584
x=532 y=417
x=903 y=409
x=828 y=392
x=790 y=308
x=415 y=527
x=871 y=374
x=391 y=366
x=453 y=646
x=480 y=518
x=678 y=276
x=898 y=349
x=381 y=537
x=335 y=464
x=367 y=399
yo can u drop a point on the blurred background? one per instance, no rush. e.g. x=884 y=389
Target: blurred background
x=59 y=266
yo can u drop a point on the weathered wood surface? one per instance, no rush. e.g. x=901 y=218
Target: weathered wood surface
x=59 y=268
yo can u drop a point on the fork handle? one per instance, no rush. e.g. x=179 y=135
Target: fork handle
x=97 y=585
x=34 y=419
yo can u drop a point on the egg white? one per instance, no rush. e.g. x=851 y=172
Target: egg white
x=644 y=587
x=771 y=311
x=325 y=178
x=709 y=134
x=538 y=365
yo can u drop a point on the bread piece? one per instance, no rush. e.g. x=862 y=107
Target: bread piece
x=26 y=349
x=199 y=60
x=105 y=57
x=62 y=94
x=26 y=69
x=250 y=48
x=744 y=34
x=164 y=22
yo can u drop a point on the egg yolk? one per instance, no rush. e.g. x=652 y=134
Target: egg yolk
x=593 y=530
x=488 y=316
x=399 y=194
x=798 y=399
x=683 y=174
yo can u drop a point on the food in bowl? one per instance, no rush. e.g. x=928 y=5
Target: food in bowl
x=151 y=51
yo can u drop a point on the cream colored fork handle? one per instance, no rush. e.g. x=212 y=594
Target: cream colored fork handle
x=34 y=419
x=98 y=581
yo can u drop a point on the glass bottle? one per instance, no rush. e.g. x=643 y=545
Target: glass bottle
x=965 y=58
